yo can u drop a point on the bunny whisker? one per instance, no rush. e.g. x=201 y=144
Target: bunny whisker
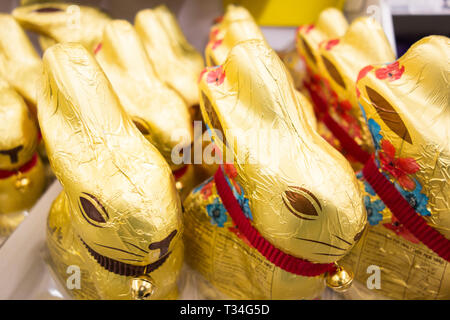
x=342 y=239
x=134 y=254
x=329 y=254
x=136 y=246
x=324 y=243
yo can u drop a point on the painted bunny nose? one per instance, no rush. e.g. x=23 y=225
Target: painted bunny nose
x=163 y=245
x=12 y=153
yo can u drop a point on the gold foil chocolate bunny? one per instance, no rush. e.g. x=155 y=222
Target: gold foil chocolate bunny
x=273 y=225
x=157 y=110
x=407 y=183
x=63 y=22
x=22 y=178
x=174 y=59
x=20 y=64
x=237 y=24
x=363 y=44
x=119 y=216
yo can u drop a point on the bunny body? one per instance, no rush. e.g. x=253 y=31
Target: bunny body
x=284 y=189
x=406 y=106
x=22 y=178
x=119 y=216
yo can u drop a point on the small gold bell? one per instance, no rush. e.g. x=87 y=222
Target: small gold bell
x=22 y=183
x=142 y=287
x=340 y=280
x=179 y=186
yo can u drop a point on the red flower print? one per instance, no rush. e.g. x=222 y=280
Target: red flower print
x=216 y=44
x=219 y=19
x=201 y=75
x=391 y=72
x=306 y=28
x=213 y=34
x=98 y=48
x=331 y=43
x=206 y=191
x=363 y=72
x=400 y=230
x=216 y=75
x=230 y=170
x=399 y=168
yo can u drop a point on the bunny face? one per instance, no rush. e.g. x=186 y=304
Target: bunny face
x=330 y=24
x=236 y=25
x=150 y=103
x=20 y=65
x=174 y=60
x=120 y=193
x=18 y=131
x=297 y=202
x=63 y=22
x=406 y=104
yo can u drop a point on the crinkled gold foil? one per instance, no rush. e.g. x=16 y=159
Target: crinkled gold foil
x=250 y=99
x=20 y=64
x=63 y=22
x=119 y=215
x=174 y=59
x=18 y=143
x=406 y=104
x=236 y=25
x=342 y=58
x=158 y=111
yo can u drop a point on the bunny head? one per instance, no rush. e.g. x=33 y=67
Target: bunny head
x=175 y=61
x=364 y=43
x=120 y=193
x=63 y=22
x=236 y=25
x=303 y=195
x=157 y=110
x=18 y=131
x=406 y=104
x=20 y=64
x=330 y=24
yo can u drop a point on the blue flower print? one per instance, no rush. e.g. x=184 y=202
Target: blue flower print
x=375 y=132
x=367 y=187
x=373 y=210
x=217 y=212
x=243 y=203
x=363 y=111
x=416 y=198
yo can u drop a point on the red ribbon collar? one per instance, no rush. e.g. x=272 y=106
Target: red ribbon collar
x=403 y=211
x=282 y=260
x=4 y=174
x=179 y=173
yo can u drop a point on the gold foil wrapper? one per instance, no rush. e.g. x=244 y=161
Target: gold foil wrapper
x=118 y=218
x=406 y=104
x=157 y=110
x=237 y=24
x=282 y=179
x=20 y=65
x=63 y=22
x=174 y=59
x=363 y=44
x=19 y=189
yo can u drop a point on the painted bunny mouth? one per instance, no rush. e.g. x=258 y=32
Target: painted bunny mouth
x=121 y=268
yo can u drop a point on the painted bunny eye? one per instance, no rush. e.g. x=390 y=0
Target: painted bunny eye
x=333 y=72
x=301 y=203
x=388 y=114
x=308 y=50
x=48 y=10
x=212 y=115
x=92 y=210
x=142 y=127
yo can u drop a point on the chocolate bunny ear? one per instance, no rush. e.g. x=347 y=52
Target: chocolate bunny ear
x=236 y=25
x=330 y=24
x=175 y=61
x=63 y=22
x=20 y=64
x=157 y=110
x=89 y=137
